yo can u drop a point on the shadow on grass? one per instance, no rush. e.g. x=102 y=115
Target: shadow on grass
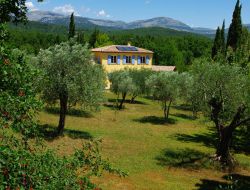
x=149 y=97
x=126 y=101
x=111 y=106
x=208 y=139
x=233 y=181
x=71 y=112
x=184 y=158
x=241 y=140
x=155 y=120
x=184 y=107
x=49 y=133
x=183 y=116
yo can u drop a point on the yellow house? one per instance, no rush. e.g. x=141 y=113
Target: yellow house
x=117 y=57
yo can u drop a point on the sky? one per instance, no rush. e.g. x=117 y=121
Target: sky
x=195 y=13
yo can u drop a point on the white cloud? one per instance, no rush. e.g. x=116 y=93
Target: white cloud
x=102 y=13
x=147 y=2
x=66 y=10
x=31 y=6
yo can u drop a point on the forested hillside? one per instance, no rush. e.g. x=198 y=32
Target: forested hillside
x=170 y=47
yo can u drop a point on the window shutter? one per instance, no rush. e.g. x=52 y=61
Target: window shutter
x=133 y=59
x=109 y=59
x=139 y=60
x=147 y=60
x=124 y=59
x=118 y=59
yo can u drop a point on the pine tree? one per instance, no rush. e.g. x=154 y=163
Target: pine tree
x=235 y=29
x=217 y=43
x=72 y=30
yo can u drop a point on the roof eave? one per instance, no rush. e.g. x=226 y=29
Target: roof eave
x=103 y=51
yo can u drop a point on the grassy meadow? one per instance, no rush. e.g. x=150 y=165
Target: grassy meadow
x=156 y=155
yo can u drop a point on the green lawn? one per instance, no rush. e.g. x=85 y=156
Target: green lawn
x=156 y=155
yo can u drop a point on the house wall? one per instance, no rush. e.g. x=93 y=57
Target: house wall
x=103 y=57
x=114 y=67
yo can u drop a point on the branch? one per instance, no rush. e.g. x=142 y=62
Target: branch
x=216 y=109
x=243 y=122
x=236 y=120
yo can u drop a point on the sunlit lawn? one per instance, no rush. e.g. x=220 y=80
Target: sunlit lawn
x=156 y=155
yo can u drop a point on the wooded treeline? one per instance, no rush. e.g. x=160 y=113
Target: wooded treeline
x=170 y=47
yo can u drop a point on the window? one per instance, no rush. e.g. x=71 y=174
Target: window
x=128 y=59
x=113 y=59
x=143 y=60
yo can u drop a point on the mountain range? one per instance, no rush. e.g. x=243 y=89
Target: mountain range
x=84 y=22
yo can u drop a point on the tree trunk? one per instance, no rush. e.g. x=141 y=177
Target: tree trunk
x=132 y=101
x=167 y=109
x=170 y=102
x=63 y=112
x=225 y=133
x=223 y=149
x=123 y=100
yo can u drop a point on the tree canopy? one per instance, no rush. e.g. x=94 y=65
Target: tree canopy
x=139 y=78
x=121 y=84
x=70 y=75
x=165 y=87
x=222 y=93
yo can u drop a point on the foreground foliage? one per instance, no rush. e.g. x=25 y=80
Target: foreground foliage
x=24 y=164
x=37 y=169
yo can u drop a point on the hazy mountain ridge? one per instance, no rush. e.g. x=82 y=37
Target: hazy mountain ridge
x=163 y=22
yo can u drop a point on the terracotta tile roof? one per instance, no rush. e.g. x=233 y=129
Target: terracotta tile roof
x=113 y=49
x=163 y=68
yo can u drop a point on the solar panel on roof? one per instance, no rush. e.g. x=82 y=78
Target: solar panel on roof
x=133 y=48
x=126 y=48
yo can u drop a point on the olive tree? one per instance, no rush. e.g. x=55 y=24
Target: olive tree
x=222 y=93
x=164 y=86
x=139 y=78
x=21 y=161
x=70 y=76
x=121 y=84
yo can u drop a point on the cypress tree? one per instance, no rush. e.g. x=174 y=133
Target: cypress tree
x=72 y=29
x=223 y=42
x=80 y=38
x=235 y=29
x=217 y=43
x=93 y=38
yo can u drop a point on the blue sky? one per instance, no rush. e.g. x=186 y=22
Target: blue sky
x=196 y=13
